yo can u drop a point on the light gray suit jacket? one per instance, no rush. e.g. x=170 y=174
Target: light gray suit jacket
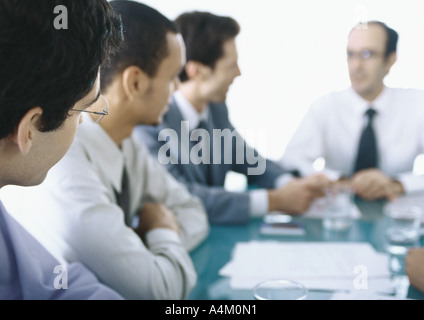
x=207 y=181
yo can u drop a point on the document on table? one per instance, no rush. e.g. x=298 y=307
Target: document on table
x=317 y=265
x=363 y=295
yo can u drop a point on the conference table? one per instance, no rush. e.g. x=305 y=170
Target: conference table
x=218 y=248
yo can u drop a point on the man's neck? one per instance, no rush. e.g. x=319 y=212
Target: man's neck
x=191 y=93
x=372 y=96
x=117 y=127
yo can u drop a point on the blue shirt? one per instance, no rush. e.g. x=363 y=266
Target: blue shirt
x=28 y=271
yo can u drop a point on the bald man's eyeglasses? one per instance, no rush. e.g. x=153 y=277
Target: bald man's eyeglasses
x=363 y=55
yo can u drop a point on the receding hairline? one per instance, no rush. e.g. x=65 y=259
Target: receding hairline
x=381 y=25
x=360 y=25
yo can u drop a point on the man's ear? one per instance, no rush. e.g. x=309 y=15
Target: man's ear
x=195 y=69
x=135 y=82
x=390 y=61
x=26 y=130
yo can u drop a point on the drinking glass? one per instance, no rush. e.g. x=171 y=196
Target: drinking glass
x=402 y=226
x=280 y=289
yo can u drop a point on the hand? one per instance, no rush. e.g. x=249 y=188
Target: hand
x=297 y=195
x=415 y=268
x=153 y=216
x=318 y=183
x=372 y=184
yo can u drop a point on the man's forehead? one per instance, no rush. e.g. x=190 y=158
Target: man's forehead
x=229 y=49
x=373 y=36
x=176 y=48
x=182 y=46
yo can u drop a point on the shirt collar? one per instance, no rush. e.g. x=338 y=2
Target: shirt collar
x=102 y=150
x=383 y=101
x=379 y=104
x=188 y=112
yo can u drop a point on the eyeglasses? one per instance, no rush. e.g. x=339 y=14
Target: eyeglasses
x=363 y=55
x=100 y=108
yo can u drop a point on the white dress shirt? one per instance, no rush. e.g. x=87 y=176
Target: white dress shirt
x=259 y=203
x=78 y=219
x=332 y=127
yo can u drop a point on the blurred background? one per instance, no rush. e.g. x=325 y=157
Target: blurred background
x=292 y=52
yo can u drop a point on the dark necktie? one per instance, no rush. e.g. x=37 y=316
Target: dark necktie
x=367 y=151
x=203 y=124
x=124 y=197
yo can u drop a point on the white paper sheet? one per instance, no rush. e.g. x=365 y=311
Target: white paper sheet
x=380 y=285
x=323 y=265
x=363 y=295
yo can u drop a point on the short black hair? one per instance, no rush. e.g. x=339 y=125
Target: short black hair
x=145 y=43
x=48 y=67
x=204 y=35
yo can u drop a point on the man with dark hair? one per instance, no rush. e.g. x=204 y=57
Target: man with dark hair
x=44 y=86
x=200 y=102
x=369 y=134
x=110 y=204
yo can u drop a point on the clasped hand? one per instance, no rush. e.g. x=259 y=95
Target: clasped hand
x=372 y=184
x=297 y=195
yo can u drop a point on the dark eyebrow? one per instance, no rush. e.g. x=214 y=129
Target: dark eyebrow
x=92 y=102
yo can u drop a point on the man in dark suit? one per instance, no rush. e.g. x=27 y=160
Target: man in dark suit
x=199 y=145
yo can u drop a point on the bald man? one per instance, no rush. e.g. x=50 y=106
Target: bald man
x=368 y=134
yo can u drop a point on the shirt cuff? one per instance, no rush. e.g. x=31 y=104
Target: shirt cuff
x=283 y=179
x=158 y=236
x=411 y=182
x=259 y=205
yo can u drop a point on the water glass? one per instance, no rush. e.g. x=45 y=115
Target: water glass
x=338 y=213
x=280 y=289
x=402 y=232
